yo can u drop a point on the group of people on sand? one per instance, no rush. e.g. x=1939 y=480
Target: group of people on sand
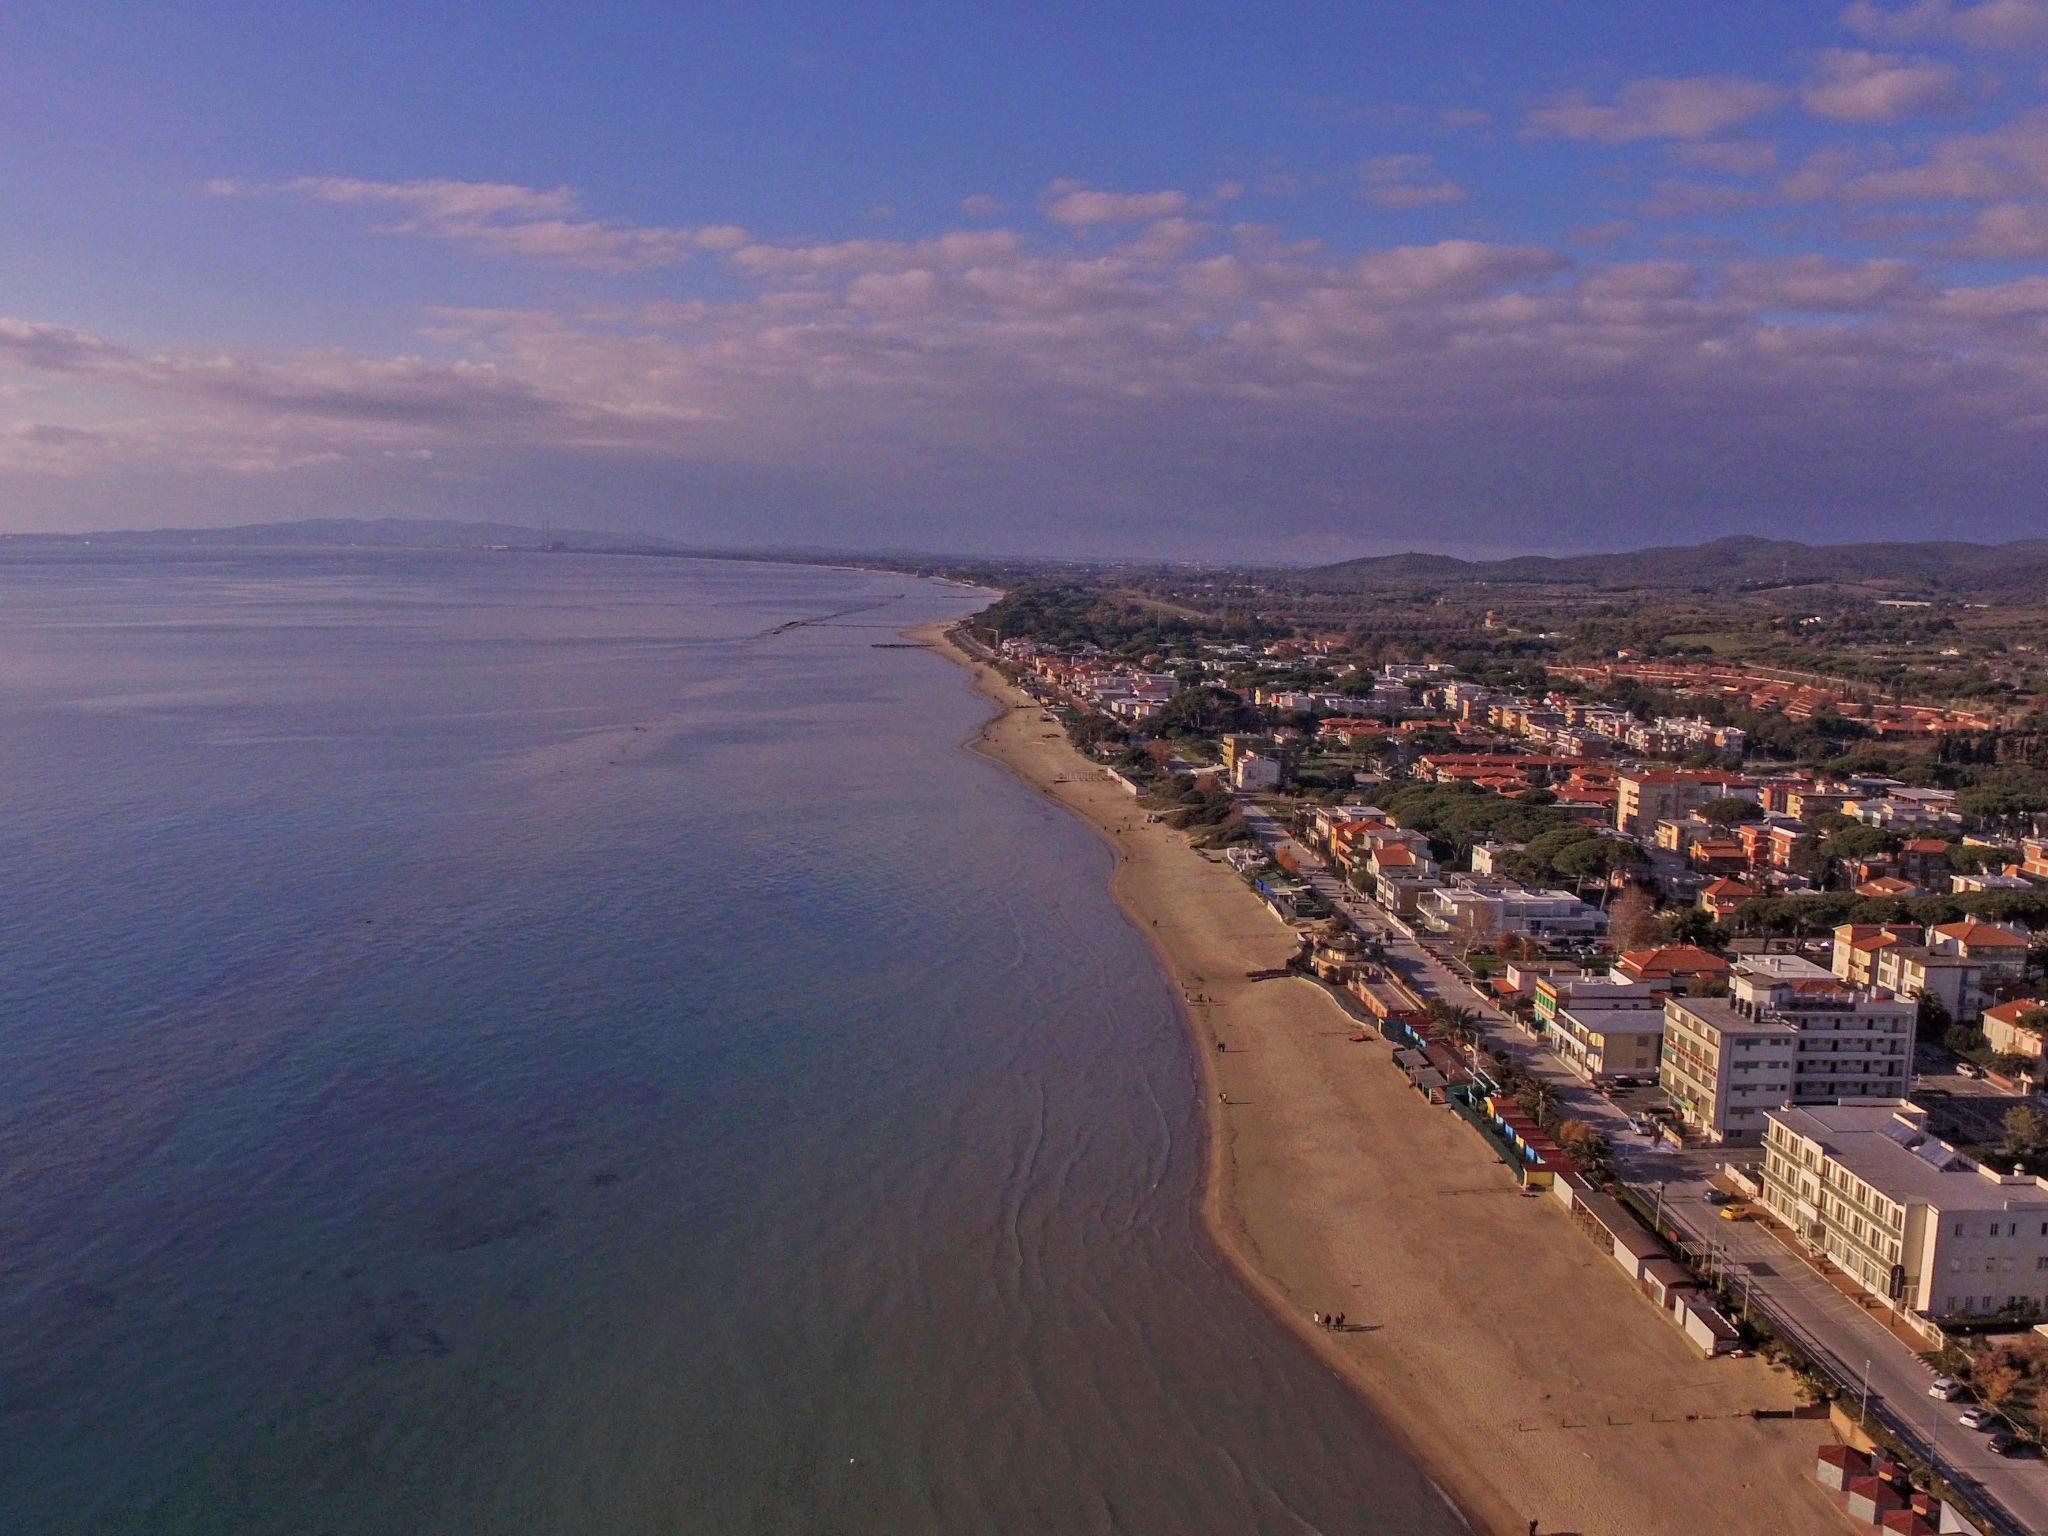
x=1331 y=1320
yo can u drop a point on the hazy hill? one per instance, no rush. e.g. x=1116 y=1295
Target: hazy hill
x=1951 y=566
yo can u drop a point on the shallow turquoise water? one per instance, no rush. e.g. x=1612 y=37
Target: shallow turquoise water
x=510 y=1044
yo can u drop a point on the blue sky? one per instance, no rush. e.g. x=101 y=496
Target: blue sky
x=1288 y=282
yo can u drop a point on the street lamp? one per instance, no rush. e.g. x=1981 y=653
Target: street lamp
x=1863 y=1406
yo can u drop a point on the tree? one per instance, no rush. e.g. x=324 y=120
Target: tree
x=2026 y=1132
x=1692 y=925
x=1731 y=810
x=1632 y=920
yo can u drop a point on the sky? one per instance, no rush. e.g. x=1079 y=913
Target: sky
x=1193 y=281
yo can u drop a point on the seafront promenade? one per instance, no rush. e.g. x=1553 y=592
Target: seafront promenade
x=1515 y=1360
x=1885 y=1372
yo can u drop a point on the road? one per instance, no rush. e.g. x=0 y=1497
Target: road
x=1863 y=1353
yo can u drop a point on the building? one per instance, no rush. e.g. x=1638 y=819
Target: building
x=2001 y=951
x=1721 y=899
x=2017 y=1028
x=1788 y=1033
x=1677 y=967
x=1857 y=946
x=1914 y=970
x=1255 y=771
x=1647 y=797
x=1479 y=912
x=1608 y=1030
x=1907 y=1216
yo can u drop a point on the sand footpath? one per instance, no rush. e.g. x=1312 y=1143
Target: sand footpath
x=1514 y=1358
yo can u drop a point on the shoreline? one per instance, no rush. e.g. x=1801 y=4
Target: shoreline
x=1556 y=1393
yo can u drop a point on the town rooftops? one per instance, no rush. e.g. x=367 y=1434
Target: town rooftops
x=1885 y=1143
x=1727 y=885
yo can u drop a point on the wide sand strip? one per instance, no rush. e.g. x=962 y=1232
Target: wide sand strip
x=1514 y=1357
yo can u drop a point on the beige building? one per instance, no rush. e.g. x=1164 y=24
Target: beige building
x=1602 y=1043
x=1913 y=1220
x=1644 y=798
x=2017 y=1028
x=1788 y=1033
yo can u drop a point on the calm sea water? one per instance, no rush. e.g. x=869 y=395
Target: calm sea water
x=513 y=1044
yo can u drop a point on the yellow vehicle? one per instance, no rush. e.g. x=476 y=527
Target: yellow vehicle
x=1736 y=1212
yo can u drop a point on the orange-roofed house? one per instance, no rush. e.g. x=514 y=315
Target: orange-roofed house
x=1857 y=946
x=2017 y=1028
x=2001 y=951
x=1889 y=888
x=1721 y=898
x=1684 y=966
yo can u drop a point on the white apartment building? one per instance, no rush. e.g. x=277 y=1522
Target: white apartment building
x=1481 y=912
x=1789 y=1033
x=1911 y=1218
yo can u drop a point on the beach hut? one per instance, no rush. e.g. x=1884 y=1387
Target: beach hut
x=1871 y=1499
x=1907 y=1522
x=1839 y=1463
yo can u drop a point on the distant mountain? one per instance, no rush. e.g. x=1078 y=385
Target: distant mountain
x=1739 y=562
x=374 y=533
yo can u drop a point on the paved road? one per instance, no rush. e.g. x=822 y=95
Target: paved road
x=1762 y=1270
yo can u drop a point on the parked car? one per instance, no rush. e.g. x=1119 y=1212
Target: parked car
x=1735 y=1210
x=1717 y=1196
x=2003 y=1444
x=1948 y=1389
x=1968 y=1069
x=1976 y=1418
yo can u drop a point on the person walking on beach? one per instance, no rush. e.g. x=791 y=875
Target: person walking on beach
x=1318 y=1317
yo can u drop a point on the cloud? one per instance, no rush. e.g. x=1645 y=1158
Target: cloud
x=1449 y=268
x=1989 y=24
x=1820 y=284
x=2007 y=232
x=2009 y=161
x=505 y=219
x=1096 y=390
x=956 y=248
x=1077 y=206
x=982 y=205
x=1854 y=86
x=1731 y=157
x=1997 y=301
x=1407 y=181
x=1697 y=107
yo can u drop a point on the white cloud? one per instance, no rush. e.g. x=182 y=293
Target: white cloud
x=982 y=205
x=1989 y=24
x=1820 y=283
x=1855 y=86
x=505 y=219
x=1731 y=157
x=1697 y=107
x=1407 y=181
x=1077 y=206
x=1997 y=301
x=2007 y=232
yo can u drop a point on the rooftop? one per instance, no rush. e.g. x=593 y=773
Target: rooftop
x=1724 y=1018
x=1883 y=1142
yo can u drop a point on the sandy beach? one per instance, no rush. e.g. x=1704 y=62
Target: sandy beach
x=1513 y=1358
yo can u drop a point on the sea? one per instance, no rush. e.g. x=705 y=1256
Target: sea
x=505 y=1044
